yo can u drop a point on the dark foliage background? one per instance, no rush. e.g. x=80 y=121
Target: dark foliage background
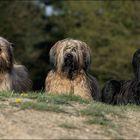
x=110 y=28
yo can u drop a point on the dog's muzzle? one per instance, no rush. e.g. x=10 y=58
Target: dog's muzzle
x=68 y=60
x=70 y=64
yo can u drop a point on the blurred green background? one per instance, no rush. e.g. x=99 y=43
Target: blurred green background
x=110 y=28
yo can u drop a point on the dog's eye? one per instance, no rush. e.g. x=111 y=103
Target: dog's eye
x=74 y=49
x=0 y=50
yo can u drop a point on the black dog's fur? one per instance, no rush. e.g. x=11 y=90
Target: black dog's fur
x=124 y=92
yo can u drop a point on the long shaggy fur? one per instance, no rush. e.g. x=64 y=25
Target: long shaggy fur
x=70 y=60
x=124 y=92
x=13 y=77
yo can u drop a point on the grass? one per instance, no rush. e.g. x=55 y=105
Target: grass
x=100 y=109
x=68 y=126
x=61 y=99
x=41 y=106
x=102 y=120
x=7 y=94
x=93 y=108
x=41 y=97
x=96 y=113
x=42 y=102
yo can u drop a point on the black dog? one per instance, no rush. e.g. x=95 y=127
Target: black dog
x=124 y=92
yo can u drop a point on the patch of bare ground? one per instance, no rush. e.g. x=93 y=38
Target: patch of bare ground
x=129 y=126
x=17 y=123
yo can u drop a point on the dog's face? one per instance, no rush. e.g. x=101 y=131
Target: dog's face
x=6 y=55
x=70 y=56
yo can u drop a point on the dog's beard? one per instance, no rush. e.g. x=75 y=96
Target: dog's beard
x=70 y=66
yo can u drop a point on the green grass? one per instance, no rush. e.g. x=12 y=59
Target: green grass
x=42 y=102
x=92 y=109
x=50 y=98
x=4 y=95
x=97 y=113
x=98 y=109
x=41 y=106
x=68 y=126
x=7 y=94
x=61 y=99
x=102 y=120
x=54 y=103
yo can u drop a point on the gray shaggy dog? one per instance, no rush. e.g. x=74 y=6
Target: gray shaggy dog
x=13 y=77
x=70 y=60
x=124 y=91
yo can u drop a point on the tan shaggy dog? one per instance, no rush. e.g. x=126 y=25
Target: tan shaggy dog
x=70 y=60
x=12 y=77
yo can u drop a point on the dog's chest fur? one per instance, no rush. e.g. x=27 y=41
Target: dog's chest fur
x=5 y=82
x=57 y=83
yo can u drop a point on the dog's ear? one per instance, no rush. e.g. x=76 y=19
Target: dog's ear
x=86 y=56
x=53 y=54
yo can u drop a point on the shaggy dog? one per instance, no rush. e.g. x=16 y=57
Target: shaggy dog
x=70 y=60
x=12 y=77
x=124 y=92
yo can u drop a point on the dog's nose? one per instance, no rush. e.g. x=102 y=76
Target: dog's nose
x=69 y=55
